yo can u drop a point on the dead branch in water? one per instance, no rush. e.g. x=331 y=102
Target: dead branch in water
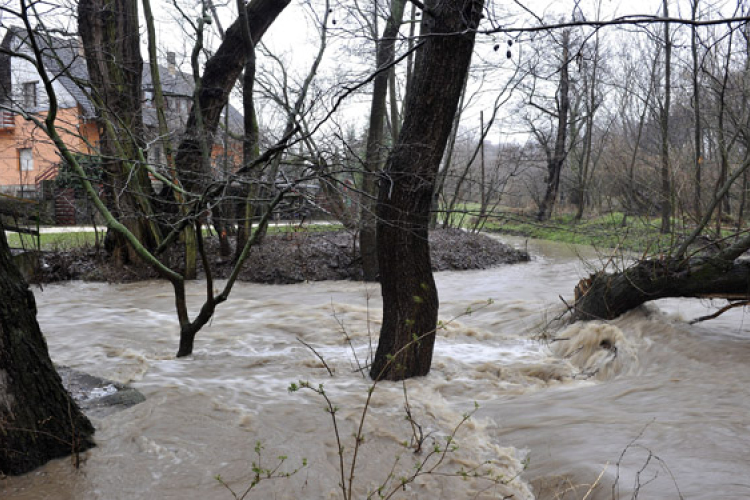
x=721 y=311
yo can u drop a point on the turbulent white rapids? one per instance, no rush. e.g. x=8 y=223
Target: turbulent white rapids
x=645 y=406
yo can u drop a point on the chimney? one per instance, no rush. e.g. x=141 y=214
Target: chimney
x=171 y=63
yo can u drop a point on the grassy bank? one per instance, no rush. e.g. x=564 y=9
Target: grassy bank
x=613 y=230
x=54 y=241
x=83 y=239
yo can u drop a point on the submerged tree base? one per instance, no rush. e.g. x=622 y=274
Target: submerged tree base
x=39 y=420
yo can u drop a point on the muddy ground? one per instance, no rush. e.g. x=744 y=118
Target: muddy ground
x=287 y=258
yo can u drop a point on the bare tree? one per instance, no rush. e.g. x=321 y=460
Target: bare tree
x=376 y=147
x=698 y=125
x=410 y=301
x=664 y=109
x=197 y=201
x=590 y=77
x=110 y=33
x=556 y=155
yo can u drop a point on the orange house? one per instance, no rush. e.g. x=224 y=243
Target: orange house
x=27 y=155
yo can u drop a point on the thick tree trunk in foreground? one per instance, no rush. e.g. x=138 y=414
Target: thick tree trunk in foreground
x=38 y=419
x=410 y=301
x=606 y=296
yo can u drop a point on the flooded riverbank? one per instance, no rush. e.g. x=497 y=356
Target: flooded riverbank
x=568 y=409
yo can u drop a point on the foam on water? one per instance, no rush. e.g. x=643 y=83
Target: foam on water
x=572 y=400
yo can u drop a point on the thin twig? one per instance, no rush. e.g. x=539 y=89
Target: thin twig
x=721 y=311
x=330 y=372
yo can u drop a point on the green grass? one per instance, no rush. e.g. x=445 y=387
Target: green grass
x=54 y=241
x=461 y=214
x=639 y=234
x=295 y=228
x=69 y=241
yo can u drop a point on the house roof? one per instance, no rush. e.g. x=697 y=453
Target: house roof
x=63 y=59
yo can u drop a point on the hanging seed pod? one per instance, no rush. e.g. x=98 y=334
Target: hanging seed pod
x=496 y=47
x=508 y=54
x=510 y=43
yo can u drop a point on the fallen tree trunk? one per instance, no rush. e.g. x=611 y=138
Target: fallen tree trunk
x=608 y=295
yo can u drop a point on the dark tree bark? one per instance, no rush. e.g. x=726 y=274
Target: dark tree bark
x=666 y=189
x=251 y=137
x=557 y=159
x=591 y=106
x=723 y=137
x=384 y=57
x=606 y=296
x=220 y=74
x=698 y=123
x=722 y=276
x=410 y=300
x=110 y=33
x=39 y=420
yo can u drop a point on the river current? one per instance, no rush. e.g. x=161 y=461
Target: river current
x=646 y=406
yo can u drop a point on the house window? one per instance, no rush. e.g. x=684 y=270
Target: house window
x=26 y=159
x=29 y=95
x=157 y=156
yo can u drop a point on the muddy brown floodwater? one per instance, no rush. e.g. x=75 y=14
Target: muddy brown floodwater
x=646 y=406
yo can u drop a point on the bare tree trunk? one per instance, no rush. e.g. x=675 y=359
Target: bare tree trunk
x=188 y=327
x=166 y=140
x=220 y=74
x=110 y=33
x=725 y=146
x=445 y=168
x=666 y=189
x=743 y=202
x=410 y=301
x=631 y=191
x=592 y=105
x=39 y=420
x=482 y=199
x=375 y=154
x=697 y=114
x=555 y=164
x=450 y=205
x=395 y=125
x=251 y=138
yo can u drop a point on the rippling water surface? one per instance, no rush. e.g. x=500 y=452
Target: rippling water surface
x=646 y=405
